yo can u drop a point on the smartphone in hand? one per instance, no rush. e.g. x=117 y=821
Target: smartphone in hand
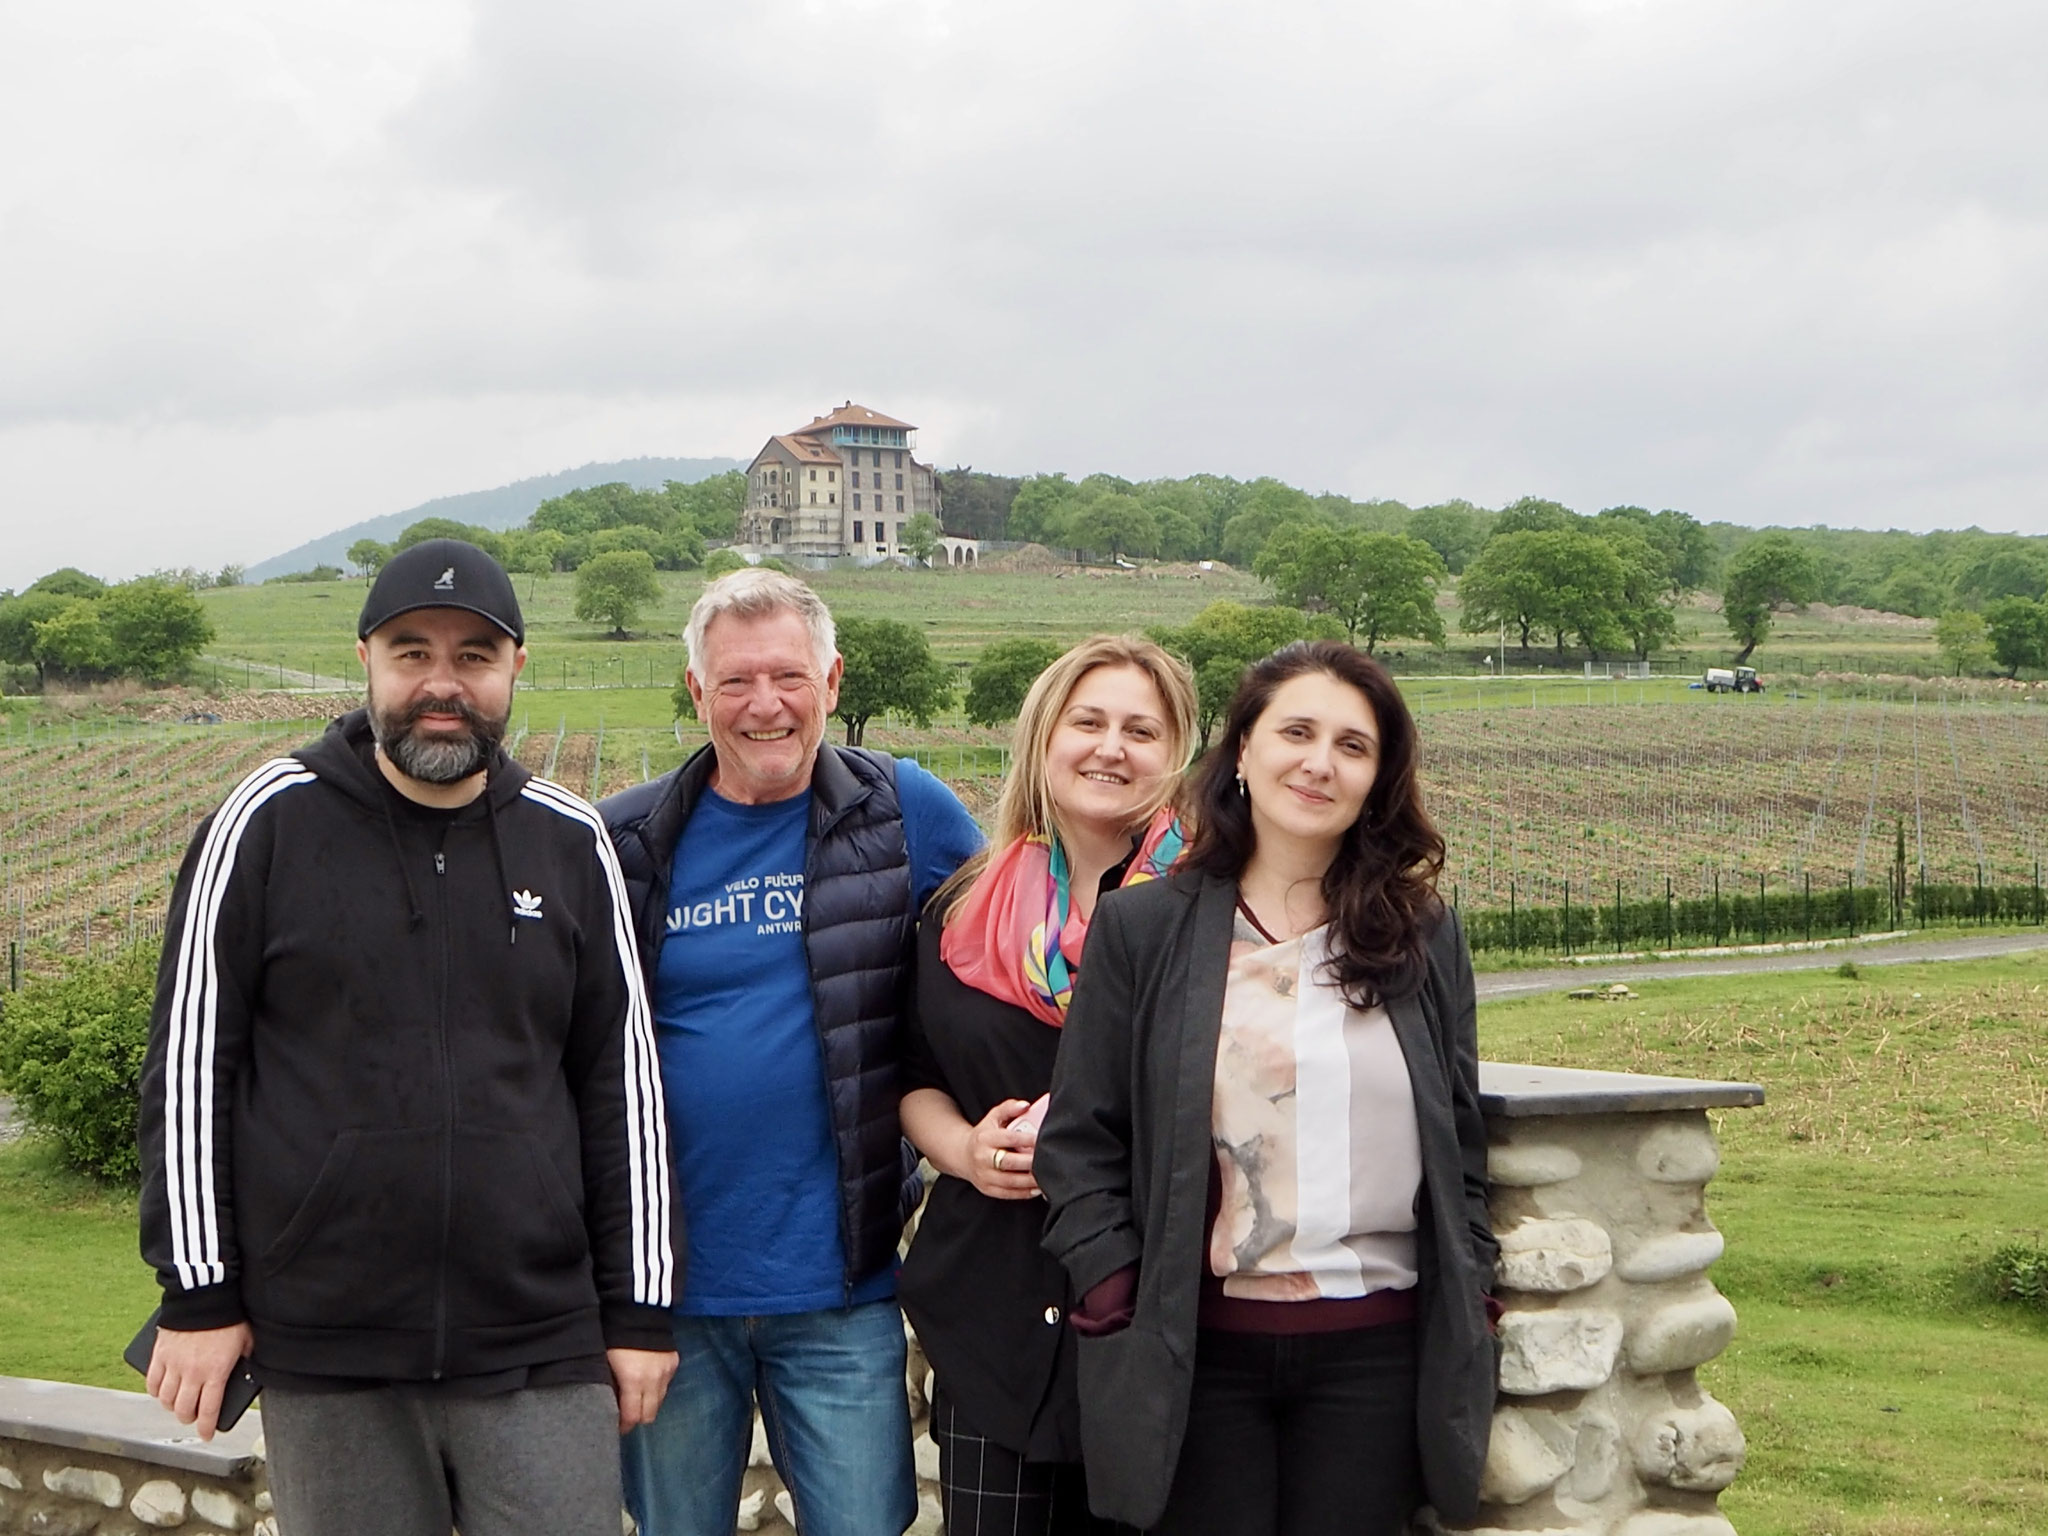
x=235 y=1397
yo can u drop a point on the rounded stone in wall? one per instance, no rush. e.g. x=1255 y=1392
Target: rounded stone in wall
x=1528 y=1452
x=1699 y=1448
x=1596 y=1457
x=89 y=1485
x=159 y=1503
x=1558 y=1254
x=1671 y=1522
x=1567 y=1349
x=1669 y=1257
x=1681 y=1335
x=1530 y=1165
x=1679 y=1153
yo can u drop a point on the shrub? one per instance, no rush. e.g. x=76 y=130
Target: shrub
x=71 y=1055
x=721 y=561
x=2019 y=1272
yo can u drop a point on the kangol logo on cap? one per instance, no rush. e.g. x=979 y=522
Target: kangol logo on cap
x=447 y=581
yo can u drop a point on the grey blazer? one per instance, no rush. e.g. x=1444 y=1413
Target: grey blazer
x=1123 y=1158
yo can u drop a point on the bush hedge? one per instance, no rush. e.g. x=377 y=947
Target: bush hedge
x=71 y=1055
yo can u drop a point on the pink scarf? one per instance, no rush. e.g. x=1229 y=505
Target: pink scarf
x=1018 y=936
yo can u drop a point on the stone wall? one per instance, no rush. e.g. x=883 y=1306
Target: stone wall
x=1598 y=1196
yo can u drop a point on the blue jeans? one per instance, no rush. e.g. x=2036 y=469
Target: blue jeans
x=832 y=1399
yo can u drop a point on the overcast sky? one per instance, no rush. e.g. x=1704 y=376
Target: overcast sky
x=269 y=269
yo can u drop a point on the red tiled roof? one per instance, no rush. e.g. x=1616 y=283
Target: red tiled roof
x=802 y=449
x=851 y=415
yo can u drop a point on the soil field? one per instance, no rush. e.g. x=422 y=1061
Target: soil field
x=1676 y=787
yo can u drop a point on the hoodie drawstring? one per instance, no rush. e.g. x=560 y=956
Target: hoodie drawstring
x=412 y=894
x=498 y=853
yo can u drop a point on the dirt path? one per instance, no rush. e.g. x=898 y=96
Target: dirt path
x=1498 y=984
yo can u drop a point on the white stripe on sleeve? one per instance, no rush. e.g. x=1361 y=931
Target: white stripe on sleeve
x=646 y=1126
x=194 y=1020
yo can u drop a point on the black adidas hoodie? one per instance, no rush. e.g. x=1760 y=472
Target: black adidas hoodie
x=400 y=1108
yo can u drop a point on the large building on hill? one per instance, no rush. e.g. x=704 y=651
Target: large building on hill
x=844 y=487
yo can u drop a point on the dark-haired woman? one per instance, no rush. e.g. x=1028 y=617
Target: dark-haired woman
x=1265 y=1157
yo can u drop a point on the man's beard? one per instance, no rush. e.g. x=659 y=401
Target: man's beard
x=439 y=758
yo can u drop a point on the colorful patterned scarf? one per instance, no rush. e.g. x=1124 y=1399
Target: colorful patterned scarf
x=1018 y=937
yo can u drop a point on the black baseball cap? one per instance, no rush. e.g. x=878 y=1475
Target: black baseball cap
x=442 y=573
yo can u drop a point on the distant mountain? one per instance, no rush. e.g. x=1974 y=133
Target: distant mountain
x=506 y=507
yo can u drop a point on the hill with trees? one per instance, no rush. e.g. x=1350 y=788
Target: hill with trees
x=502 y=507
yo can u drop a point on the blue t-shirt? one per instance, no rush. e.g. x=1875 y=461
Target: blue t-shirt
x=741 y=1066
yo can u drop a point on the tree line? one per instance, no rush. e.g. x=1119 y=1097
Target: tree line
x=69 y=628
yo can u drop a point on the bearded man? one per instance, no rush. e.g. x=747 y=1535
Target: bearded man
x=402 y=1131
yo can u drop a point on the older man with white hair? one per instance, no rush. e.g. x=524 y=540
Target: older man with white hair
x=776 y=882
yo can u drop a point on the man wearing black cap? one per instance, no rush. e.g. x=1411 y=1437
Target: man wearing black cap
x=402 y=1132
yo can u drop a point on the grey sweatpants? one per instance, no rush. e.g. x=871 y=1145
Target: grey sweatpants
x=401 y=1462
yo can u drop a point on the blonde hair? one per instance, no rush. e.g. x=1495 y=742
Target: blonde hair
x=1024 y=806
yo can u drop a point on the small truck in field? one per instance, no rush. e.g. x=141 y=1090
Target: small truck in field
x=1733 y=680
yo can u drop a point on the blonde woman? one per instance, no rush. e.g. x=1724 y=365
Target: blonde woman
x=1089 y=806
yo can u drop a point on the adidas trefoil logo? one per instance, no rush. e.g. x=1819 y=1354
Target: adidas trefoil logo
x=446 y=583
x=526 y=904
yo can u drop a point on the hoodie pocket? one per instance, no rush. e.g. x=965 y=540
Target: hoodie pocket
x=518 y=1251
x=359 y=1249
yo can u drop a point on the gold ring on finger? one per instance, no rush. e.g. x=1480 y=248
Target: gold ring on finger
x=996 y=1157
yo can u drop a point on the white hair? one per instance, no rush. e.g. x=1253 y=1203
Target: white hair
x=755 y=593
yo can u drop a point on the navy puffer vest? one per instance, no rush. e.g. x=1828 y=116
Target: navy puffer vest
x=858 y=936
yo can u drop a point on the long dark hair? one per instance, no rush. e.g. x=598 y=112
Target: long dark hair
x=1380 y=889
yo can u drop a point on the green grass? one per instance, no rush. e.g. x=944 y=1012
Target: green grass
x=1905 y=1139
x=1883 y=1391
x=73 y=1288
x=309 y=628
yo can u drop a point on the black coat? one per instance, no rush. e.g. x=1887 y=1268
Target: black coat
x=400 y=1107
x=858 y=928
x=1124 y=1159
x=989 y=1304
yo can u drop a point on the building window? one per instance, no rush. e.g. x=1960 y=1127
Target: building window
x=899 y=503
x=877 y=457
x=899 y=533
x=899 y=478
x=899 y=465
x=856 y=501
x=856 y=530
x=814 y=498
x=856 y=478
x=814 y=474
x=831 y=477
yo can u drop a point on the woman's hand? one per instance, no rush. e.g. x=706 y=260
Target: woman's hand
x=996 y=1152
x=1005 y=1135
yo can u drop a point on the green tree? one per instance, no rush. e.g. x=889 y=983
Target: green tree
x=156 y=629
x=1109 y=522
x=368 y=556
x=1003 y=675
x=1381 y=585
x=722 y=562
x=19 y=617
x=1267 y=505
x=73 y=643
x=1961 y=635
x=69 y=581
x=614 y=587
x=1038 y=507
x=229 y=575
x=1644 y=613
x=2017 y=628
x=921 y=537
x=1569 y=582
x=1533 y=514
x=712 y=505
x=1771 y=571
x=1452 y=528
x=1911 y=589
x=890 y=670
x=1225 y=638
x=2004 y=568
x=485 y=539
